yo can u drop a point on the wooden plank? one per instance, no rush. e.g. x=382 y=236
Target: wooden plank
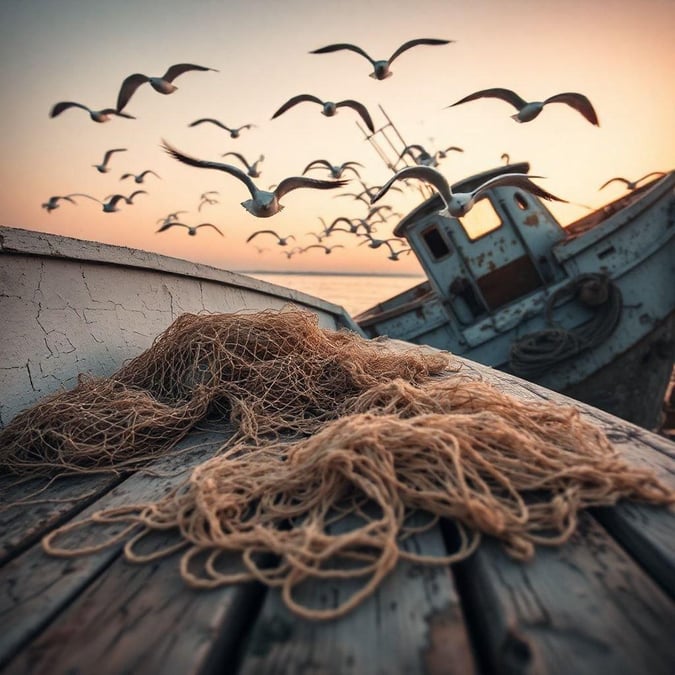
x=646 y=532
x=36 y=587
x=21 y=525
x=413 y=623
x=582 y=608
x=144 y=619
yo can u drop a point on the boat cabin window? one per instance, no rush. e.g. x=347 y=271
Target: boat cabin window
x=520 y=201
x=481 y=220
x=435 y=243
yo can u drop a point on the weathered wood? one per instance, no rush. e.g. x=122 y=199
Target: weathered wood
x=585 y=607
x=143 y=619
x=36 y=587
x=21 y=525
x=413 y=623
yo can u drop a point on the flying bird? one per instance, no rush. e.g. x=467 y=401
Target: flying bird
x=192 y=229
x=110 y=206
x=282 y=241
x=458 y=204
x=169 y=217
x=326 y=249
x=252 y=170
x=103 y=166
x=336 y=170
x=100 y=116
x=395 y=255
x=138 y=178
x=632 y=184
x=381 y=68
x=262 y=204
x=376 y=243
x=234 y=131
x=527 y=111
x=207 y=200
x=329 y=107
x=423 y=157
x=163 y=84
x=506 y=158
x=53 y=202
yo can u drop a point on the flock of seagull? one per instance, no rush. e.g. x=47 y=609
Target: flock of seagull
x=265 y=203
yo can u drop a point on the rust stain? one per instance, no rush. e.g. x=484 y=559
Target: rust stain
x=531 y=220
x=448 y=649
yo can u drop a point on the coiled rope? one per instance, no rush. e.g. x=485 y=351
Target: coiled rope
x=536 y=352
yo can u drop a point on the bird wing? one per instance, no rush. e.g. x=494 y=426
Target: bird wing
x=423 y=173
x=496 y=92
x=577 y=101
x=211 y=225
x=453 y=147
x=649 y=175
x=255 y=234
x=346 y=167
x=166 y=226
x=147 y=171
x=113 y=199
x=179 y=68
x=64 y=105
x=361 y=109
x=413 y=43
x=203 y=164
x=209 y=119
x=520 y=180
x=124 y=176
x=109 y=154
x=81 y=194
x=239 y=156
x=129 y=86
x=295 y=182
x=294 y=101
x=342 y=45
x=611 y=180
x=317 y=162
x=130 y=198
x=339 y=220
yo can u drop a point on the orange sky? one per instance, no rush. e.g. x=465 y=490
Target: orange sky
x=619 y=54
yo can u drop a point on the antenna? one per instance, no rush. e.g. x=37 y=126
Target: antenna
x=392 y=142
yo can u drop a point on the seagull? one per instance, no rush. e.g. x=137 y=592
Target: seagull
x=458 y=204
x=506 y=158
x=329 y=107
x=234 y=132
x=394 y=255
x=163 y=84
x=376 y=243
x=53 y=202
x=251 y=169
x=207 y=200
x=139 y=177
x=336 y=170
x=527 y=111
x=381 y=67
x=100 y=116
x=632 y=184
x=282 y=241
x=103 y=166
x=327 y=249
x=110 y=206
x=169 y=217
x=262 y=204
x=291 y=253
x=261 y=249
x=192 y=230
x=424 y=158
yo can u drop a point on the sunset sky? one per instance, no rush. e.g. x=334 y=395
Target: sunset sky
x=620 y=54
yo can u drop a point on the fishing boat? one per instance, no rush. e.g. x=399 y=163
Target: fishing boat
x=587 y=310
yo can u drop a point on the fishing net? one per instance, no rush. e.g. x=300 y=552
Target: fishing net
x=338 y=440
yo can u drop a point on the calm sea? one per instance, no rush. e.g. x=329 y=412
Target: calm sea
x=355 y=292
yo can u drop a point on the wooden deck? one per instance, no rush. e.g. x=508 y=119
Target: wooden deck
x=603 y=603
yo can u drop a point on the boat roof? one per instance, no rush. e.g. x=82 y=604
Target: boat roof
x=435 y=203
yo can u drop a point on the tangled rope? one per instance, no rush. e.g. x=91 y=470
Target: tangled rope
x=536 y=352
x=324 y=490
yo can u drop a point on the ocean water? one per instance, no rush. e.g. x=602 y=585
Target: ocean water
x=355 y=292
